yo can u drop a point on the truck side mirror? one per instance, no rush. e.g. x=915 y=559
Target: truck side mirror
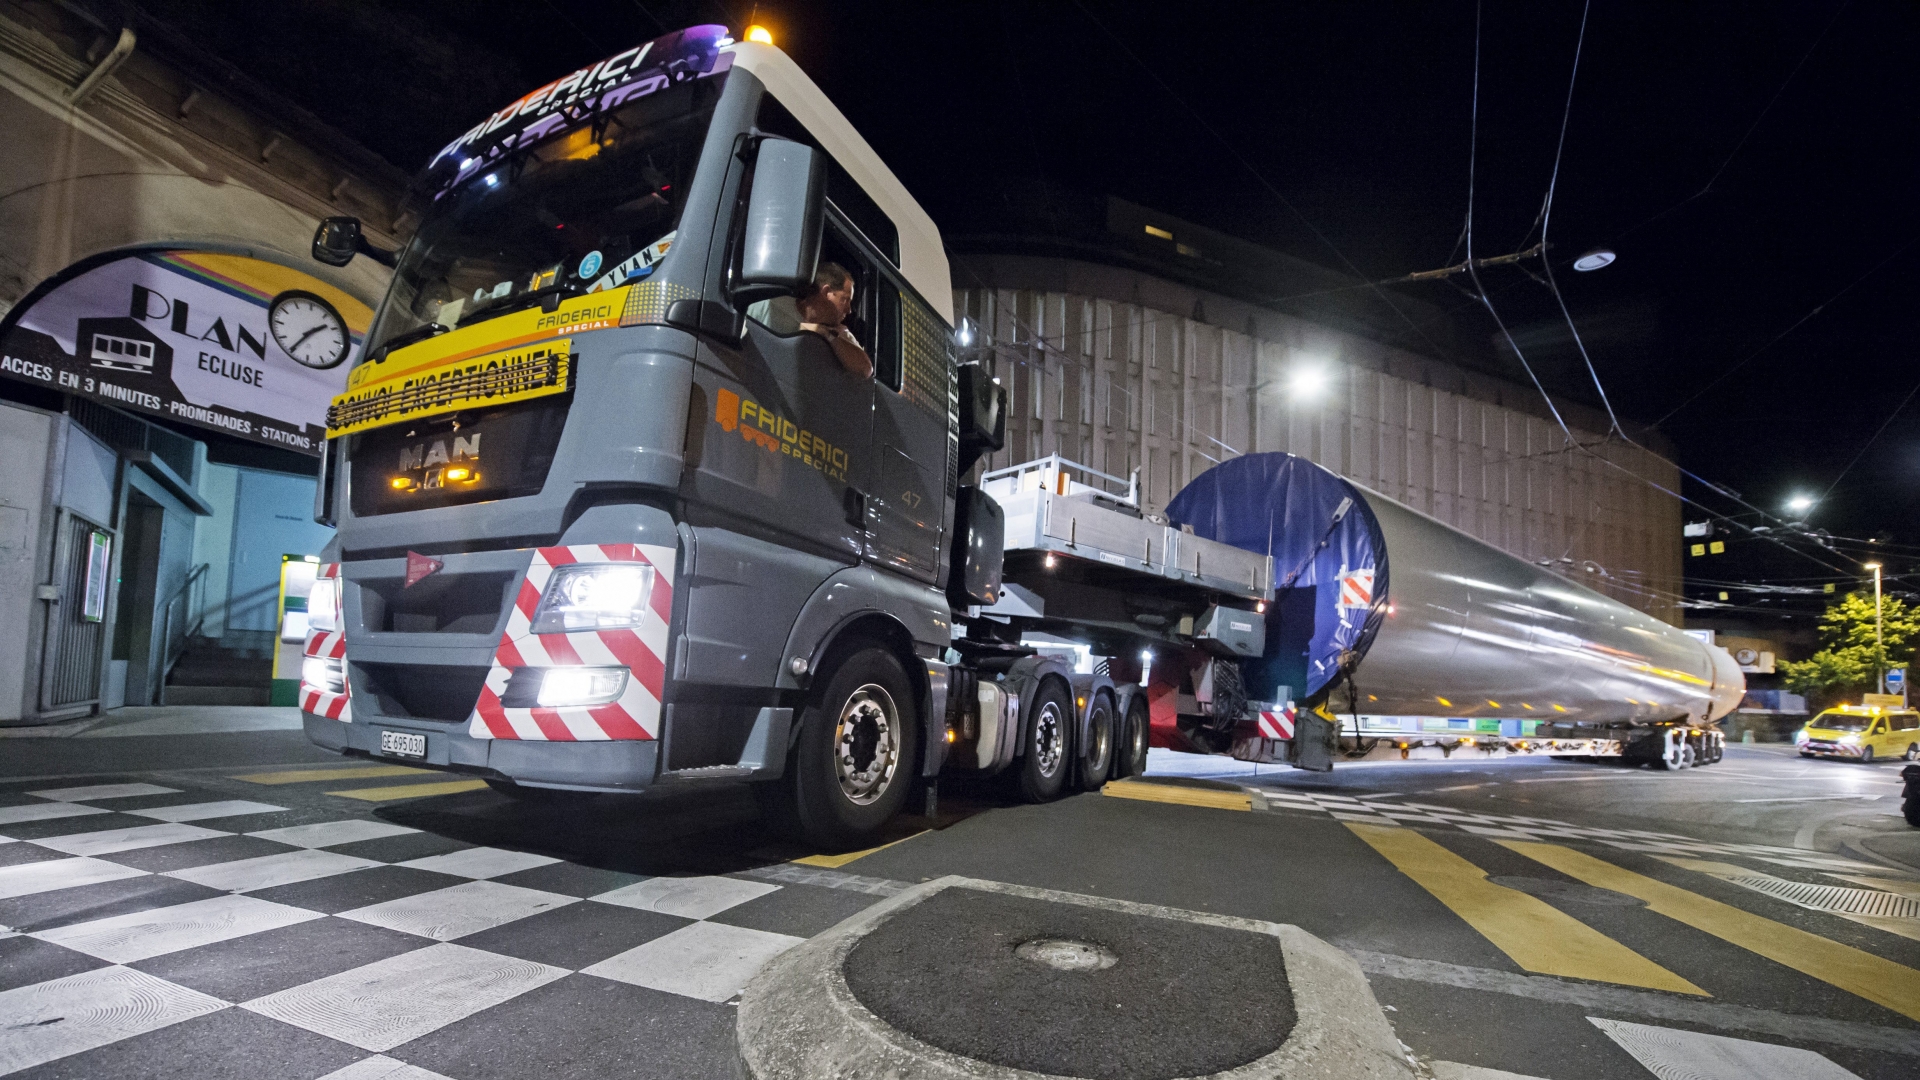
x=780 y=247
x=339 y=239
x=983 y=414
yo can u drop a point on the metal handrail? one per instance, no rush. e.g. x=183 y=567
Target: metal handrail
x=190 y=624
x=1056 y=463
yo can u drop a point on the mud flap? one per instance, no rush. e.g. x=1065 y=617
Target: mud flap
x=1313 y=742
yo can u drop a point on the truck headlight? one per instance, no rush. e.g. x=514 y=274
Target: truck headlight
x=327 y=675
x=323 y=605
x=560 y=687
x=594 y=596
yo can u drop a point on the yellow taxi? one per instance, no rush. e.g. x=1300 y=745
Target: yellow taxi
x=1861 y=732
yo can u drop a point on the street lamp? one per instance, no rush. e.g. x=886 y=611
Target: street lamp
x=1800 y=504
x=1879 y=647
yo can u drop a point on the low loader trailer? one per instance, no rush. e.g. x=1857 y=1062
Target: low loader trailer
x=614 y=512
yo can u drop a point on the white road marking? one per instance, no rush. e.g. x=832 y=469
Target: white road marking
x=1811 y=798
x=382 y=1067
x=103 y=791
x=710 y=961
x=206 y=810
x=51 y=1020
x=13 y=815
x=333 y=833
x=26 y=879
x=688 y=897
x=267 y=871
x=1673 y=1054
x=459 y=910
x=480 y=862
x=108 y=841
x=124 y=939
x=383 y=1004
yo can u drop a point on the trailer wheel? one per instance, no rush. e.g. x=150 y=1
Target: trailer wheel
x=1096 y=757
x=1043 y=768
x=1131 y=760
x=858 y=746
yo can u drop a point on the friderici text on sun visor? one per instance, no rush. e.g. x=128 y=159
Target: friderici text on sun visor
x=1329 y=563
x=563 y=103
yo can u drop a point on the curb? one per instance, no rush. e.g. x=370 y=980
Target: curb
x=798 y=1020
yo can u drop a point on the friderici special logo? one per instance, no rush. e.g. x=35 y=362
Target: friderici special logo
x=560 y=104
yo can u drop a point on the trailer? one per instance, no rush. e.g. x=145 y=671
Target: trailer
x=614 y=512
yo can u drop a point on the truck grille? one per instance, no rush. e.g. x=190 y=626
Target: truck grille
x=445 y=603
x=420 y=691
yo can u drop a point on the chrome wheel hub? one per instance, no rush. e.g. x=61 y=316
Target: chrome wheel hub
x=866 y=744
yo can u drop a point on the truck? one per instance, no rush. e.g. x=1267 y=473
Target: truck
x=613 y=515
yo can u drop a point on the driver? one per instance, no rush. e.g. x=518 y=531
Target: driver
x=824 y=311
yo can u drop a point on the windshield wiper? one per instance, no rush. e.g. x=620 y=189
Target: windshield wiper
x=401 y=341
x=519 y=301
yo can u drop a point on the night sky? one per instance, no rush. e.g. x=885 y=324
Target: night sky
x=1749 y=162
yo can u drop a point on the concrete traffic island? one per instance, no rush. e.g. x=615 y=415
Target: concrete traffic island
x=961 y=978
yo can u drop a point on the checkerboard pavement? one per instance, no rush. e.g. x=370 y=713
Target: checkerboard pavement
x=1394 y=810
x=157 y=929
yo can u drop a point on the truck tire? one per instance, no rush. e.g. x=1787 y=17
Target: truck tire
x=1096 y=757
x=1130 y=758
x=1866 y=756
x=1048 y=758
x=858 y=748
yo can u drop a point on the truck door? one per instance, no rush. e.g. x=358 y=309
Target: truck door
x=783 y=436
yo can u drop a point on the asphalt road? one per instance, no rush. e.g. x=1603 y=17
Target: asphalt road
x=234 y=903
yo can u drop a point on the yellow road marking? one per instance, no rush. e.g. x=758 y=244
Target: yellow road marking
x=1892 y=924
x=348 y=772
x=1179 y=794
x=1538 y=936
x=410 y=791
x=833 y=862
x=1880 y=981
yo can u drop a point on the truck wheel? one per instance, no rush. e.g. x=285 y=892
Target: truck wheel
x=859 y=741
x=1043 y=768
x=1132 y=756
x=1096 y=758
x=1686 y=755
x=1866 y=756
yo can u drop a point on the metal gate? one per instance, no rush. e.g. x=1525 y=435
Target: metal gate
x=76 y=631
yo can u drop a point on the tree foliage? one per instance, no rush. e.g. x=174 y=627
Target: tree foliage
x=1848 y=659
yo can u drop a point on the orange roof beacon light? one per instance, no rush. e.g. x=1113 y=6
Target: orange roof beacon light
x=760 y=34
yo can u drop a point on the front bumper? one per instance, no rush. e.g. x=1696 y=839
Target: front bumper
x=611 y=765
x=1830 y=749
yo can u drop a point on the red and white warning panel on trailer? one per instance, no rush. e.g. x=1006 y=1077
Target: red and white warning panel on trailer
x=1275 y=723
x=510 y=710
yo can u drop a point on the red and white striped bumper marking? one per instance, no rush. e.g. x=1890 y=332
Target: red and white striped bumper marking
x=641 y=650
x=1276 y=725
x=1356 y=589
x=332 y=644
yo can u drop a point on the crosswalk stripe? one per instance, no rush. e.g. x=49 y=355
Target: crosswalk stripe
x=1880 y=981
x=410 y=791
x=1536 y=935
x=1179 y=794
x=351 y=772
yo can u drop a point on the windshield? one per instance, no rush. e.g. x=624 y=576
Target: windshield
x=586 y=210
x=1839 y=721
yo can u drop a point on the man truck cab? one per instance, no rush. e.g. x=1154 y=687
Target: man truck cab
x=1862 y=733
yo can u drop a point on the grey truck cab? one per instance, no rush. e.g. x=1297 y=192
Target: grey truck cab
x=607 y=515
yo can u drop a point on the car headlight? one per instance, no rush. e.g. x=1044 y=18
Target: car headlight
x=594 y=596
x=323 y=605
x=327 y=675
x=560 y=687
x=1801 y=738
x=1850 y=740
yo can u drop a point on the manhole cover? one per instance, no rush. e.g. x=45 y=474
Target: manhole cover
x=1570 y=892
x=1063 y=955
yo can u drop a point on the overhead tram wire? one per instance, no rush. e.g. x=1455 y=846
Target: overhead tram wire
x=1519 y=354
x=1879 y=431
x=1273 y=190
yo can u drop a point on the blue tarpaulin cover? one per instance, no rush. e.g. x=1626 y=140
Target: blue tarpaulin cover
x=1327 y=575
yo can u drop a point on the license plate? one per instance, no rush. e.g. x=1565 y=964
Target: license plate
x=403 y=744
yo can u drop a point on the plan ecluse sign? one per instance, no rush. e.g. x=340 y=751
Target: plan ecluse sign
x=226 y=342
